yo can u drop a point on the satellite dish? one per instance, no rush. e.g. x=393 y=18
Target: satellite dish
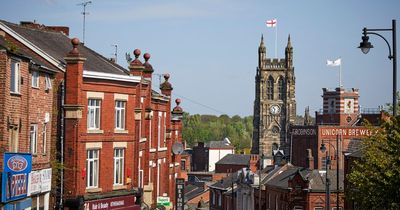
x=177 y=148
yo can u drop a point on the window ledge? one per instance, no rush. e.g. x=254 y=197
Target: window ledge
x=162 y=149
x=153 y=150
x=37 y=88
x=120 y=187
x=93 y=190
x=143 y=140
x=15 y=94
x=95 y=131
x=120 y=131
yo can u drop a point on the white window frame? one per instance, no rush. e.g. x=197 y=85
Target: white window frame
x=15 y=77
x=92 y=168
x=44 y=136
x=141 y=175
x=165 y=128
x=35 y=79
x=159 y=130
x=334 y=208
x=151 y=133
x=33 y=137
x=120 y=115
x=49 y=84
x=94 y=114
x=119 y=166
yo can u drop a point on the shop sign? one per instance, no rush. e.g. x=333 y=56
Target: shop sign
x=163 y=201
x=16 y=168
x=124 y=202
x=345 y=132
x=39 y=181
x=180 y=194
x=45 y=178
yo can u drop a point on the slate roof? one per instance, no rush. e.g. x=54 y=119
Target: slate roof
x=225 y=182
x=316 y=179
x=57 y=45
x=192 y=191
x=356 y=154
x=235 y=159
x=218 y=144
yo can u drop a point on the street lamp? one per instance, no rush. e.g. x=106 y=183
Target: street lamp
x=365 y=46
x=327 y=180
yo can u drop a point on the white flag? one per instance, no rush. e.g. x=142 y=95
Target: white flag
x=271 y=23
x=336 y=62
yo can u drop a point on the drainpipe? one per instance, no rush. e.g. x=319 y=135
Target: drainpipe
x=62 y=146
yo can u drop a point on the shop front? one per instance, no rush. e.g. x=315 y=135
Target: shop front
x=14 y=185
x=39 y=188
x=127 y=200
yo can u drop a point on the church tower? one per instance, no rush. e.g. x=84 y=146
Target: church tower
x=275 y=103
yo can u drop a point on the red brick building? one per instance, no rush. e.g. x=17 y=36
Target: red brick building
x=114 y=132
x=27 y=97
x=340 y=120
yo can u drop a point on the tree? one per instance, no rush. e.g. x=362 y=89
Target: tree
x=375 y=179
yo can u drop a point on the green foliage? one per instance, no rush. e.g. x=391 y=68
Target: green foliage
x=205 y=128
x=375 y=179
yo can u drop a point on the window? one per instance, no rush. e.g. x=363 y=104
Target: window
x=15 y=77
x=44 y=138
x=49 y=85
x=323 y=162
x=33 y=138
x=159 y=129
x=141 y=178
x=298 y=208
x=92 y=169
x=164 y=129
x=219 y=199
x=14 y=131
x=93 y=120
x=183 y=165
x=118 y=166
x=120 y=115
x=335 y=208
x=280 y=89
x=35 y=79
x=319 y=208
x=270 y=88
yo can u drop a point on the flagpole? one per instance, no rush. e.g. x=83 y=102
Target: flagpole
x=276 y=40
x=340 y=72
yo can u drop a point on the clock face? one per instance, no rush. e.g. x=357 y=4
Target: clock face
x=275 y=109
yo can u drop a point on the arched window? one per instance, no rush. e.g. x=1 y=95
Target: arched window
x=281 y=93
x=270 y=88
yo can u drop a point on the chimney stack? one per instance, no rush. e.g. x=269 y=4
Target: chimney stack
x=310 y=159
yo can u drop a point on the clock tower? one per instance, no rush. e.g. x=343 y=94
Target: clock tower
x=275 y=103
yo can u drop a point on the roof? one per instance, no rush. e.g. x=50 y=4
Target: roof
x=218 y=144
x=316 y=178
x=192 y=191
x=57 y=45
x=226 y=182
x=235 y=159
x=356 y=154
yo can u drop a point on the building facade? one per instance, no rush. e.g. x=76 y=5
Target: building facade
x=275 y=103
x=27 y=98
x=338 y=126
x=110 y=131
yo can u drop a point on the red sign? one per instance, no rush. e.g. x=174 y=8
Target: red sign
x=117 y=203
x=17 y=163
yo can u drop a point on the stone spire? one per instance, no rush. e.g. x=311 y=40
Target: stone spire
x=289 y=54
x=262 y=53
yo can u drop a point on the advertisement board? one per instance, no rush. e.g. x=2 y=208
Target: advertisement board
x=180 y=194
x=16 y=168
x=39 y=181
x=120 y=203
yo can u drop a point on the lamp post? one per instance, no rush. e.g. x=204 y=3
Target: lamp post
x=365 y=46
x=328 y=162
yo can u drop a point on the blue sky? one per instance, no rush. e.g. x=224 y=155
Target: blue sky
x=210 y=46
